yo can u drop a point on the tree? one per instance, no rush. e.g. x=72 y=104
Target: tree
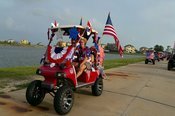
x=158 y=48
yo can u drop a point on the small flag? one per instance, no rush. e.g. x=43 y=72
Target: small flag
x=55 y=23
x=109 y=30
x=81 y=21
x=96 y=41
x=89 y=25
x=89 y=28
x=88 y=31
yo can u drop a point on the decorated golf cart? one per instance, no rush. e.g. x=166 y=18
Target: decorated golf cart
x=59 y=71
x=150 y=57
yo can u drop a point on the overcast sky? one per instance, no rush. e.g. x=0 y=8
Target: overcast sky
x=137 y=22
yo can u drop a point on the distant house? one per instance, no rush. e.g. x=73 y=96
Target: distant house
x=143 y=50
x=130 y=48
x=24 y=42
x=10 y=41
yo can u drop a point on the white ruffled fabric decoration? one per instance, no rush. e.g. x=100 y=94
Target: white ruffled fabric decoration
x=58 y=55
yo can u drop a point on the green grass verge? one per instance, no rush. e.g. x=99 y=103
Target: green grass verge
x=121 y=62
x=17 y=72
x=23 y=72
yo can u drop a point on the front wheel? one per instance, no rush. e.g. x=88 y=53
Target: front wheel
x=146 y=61
x=63 y=100
x=35 y=94
x=153 y=61
x=97 y=88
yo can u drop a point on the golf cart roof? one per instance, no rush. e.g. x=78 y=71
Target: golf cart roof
x=66 y=29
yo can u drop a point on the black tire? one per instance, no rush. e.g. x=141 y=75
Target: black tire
x=97 y=88
x=169 y=66
x=146 y=61
x=34 y=93
x=153 y=61
x=63 y=100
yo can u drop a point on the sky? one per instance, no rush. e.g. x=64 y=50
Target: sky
x=137 y=22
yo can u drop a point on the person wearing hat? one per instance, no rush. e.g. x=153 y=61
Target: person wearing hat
x=84 y=56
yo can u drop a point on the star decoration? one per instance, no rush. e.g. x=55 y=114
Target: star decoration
x=73 y=33
x=59 y=34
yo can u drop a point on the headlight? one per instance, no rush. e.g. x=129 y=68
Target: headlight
x=38 y=71
x=60 y=74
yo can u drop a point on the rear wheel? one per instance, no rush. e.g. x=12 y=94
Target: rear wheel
x=35 y=94
x=169 y=66
x=146 y=61
x=97 y=88
x=63 y=100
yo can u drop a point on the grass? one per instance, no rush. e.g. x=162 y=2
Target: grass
x=17 y=72
x=120 y=62
x=23 y=72
x=1 y=92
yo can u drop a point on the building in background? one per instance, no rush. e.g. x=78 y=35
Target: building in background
x=24 y=42
x=10 y=41
x=143 y=50
x=130 y=49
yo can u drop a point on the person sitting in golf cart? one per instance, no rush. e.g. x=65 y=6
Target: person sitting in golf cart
x=60 y=44
x=150 y=54
x=84 y=56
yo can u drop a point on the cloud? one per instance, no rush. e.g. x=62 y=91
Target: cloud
x=156 y=23
x=9 y=23
x=98 y=25
x=162 y=12
x=67 y=11
x=27 y=2
x=37 y=12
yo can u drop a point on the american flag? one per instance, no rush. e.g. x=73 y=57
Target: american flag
x=109 y=30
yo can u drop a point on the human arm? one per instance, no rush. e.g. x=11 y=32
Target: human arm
x=84 y=61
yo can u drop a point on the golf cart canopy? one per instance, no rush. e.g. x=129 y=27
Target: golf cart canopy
x=66 y=29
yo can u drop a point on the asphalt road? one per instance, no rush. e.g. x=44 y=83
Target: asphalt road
x=133 y=90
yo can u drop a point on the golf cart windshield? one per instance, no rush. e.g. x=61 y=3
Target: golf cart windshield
x=56 y=54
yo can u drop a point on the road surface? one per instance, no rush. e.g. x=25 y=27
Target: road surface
x=133 y=90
